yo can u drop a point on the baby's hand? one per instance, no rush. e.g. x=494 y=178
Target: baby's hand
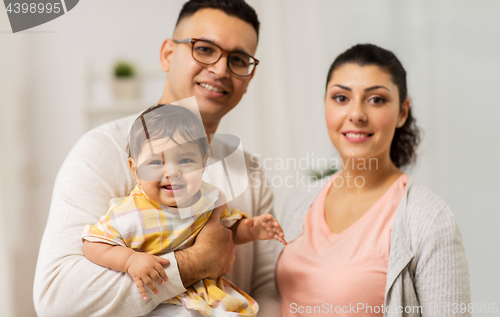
x=265 y=227
x=144 y=268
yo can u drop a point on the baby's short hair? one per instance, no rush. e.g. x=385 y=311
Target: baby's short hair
x=163 y=121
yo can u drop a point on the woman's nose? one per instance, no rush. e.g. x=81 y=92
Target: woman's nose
x=357 y=112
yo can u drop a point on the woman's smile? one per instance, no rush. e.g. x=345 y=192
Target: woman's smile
x=357 y=136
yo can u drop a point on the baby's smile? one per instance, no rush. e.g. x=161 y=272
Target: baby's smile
x=173 y=188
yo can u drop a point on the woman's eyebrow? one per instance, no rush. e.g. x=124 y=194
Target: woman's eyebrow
x=343 y=87
x=366 y=89
x=376 y=87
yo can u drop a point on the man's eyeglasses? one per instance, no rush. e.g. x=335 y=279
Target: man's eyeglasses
x=207 y=53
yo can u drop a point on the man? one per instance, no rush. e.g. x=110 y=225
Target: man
x=67 y=284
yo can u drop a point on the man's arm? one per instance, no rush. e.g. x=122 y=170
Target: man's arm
x=263 y=283
x=212 y=254
x=66 y=283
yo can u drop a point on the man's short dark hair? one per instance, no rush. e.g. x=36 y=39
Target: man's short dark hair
x=236 y=8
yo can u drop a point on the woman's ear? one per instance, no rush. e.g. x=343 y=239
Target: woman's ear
x=133 y=169
x=403 y=113
x=166 y=54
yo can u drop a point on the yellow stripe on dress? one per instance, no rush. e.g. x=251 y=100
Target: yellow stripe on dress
x=219 y=298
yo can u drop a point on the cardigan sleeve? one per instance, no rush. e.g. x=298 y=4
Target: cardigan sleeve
x=441 y=273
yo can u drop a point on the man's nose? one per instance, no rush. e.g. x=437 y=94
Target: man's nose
x=220 y=68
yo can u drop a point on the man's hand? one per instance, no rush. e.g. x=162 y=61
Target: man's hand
x=212 y=254
x=216 y=241
x=265 y=227
x=144 y=268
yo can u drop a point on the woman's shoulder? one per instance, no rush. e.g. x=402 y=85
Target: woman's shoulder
x=423 y=196
x=427 y=215
x=423 y=203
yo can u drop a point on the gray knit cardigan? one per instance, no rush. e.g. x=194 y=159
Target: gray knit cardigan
x=427 y=273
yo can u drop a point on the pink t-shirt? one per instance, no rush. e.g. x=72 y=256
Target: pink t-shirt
x=321 y=273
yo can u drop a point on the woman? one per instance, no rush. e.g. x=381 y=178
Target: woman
x=374 y=242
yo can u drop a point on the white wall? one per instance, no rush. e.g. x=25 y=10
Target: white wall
x=450 y=50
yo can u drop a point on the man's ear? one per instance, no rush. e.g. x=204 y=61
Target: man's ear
x=166 y=54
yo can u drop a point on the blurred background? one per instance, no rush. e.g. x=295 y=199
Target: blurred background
x=59 y=80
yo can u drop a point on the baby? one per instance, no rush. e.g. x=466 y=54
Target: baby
x=168 y=151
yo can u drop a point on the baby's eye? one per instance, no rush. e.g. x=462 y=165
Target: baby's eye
x=185 y=161
x=156 y=162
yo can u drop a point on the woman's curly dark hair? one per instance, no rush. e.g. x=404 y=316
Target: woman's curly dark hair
x=407 y=137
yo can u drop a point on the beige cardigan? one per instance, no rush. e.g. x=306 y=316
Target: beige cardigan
x=427 y=271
